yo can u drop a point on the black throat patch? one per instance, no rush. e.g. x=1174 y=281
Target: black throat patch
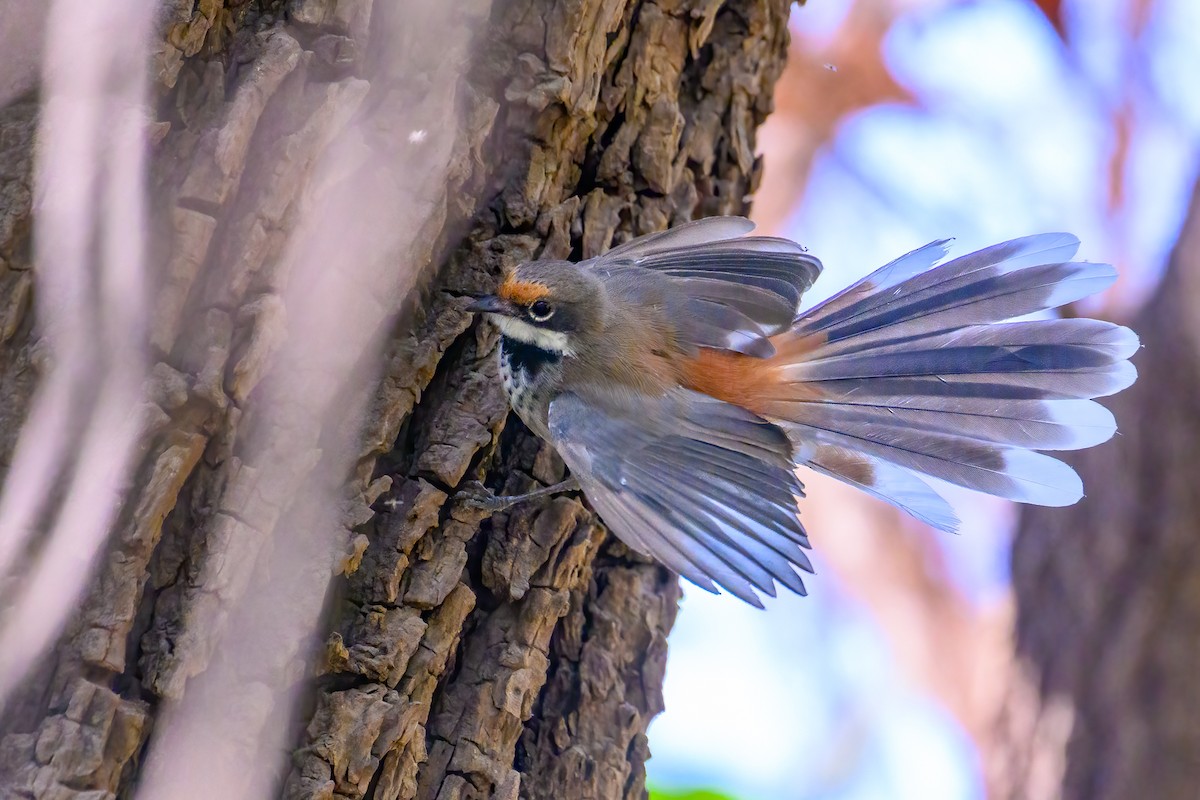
x=525 y=357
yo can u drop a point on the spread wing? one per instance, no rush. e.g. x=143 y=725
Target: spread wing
x=689 y=234
x=705 y=487
x=732 y=291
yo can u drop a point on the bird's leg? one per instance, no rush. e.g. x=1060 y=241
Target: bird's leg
x=476 y=495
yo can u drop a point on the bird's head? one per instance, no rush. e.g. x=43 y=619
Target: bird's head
x=553 y=305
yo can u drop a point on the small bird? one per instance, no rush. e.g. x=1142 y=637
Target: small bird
x=682 y=387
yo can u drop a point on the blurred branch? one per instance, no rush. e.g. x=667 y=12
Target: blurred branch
x=1053 y=10
x=953 y=650
x=1109 y=590
x=824 y=85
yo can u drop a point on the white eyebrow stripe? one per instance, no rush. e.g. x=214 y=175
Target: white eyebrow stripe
x=519 y=329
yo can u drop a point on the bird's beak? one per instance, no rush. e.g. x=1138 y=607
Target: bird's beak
x=491 y=304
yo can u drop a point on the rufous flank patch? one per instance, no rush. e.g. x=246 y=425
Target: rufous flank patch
x=756 y=384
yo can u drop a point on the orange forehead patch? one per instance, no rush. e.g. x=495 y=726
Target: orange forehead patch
x=522 y=293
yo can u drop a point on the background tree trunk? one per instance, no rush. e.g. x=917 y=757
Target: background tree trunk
x=1108 y=626
x=458 y=658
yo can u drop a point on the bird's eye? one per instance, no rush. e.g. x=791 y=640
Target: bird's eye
x=540 y=311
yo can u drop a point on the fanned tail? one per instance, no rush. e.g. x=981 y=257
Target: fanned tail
x=921 y=372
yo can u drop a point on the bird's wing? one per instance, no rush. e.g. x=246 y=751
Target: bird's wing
x=749 y=286
x=701 y=231
x=705 y=487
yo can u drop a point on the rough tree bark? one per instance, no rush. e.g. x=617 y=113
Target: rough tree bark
x=1108 y=591
x=462 y=658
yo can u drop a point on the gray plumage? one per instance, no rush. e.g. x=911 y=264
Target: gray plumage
x=705 y=486
x=682 y=388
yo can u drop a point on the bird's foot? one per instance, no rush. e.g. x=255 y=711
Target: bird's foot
x=475 y=495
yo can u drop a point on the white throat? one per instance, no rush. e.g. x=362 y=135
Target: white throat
x=522 y=331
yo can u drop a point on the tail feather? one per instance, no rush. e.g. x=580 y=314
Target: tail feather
x=987 y=295
x=1119 y=342
x=921 y=372
x=1038 y=425
x=878 y=282
x=957 y=359
x=910 y=274
x=1010 y=472
x=1065 y=384
x=879 y=478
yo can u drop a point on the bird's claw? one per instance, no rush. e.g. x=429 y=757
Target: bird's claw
x=475 y=495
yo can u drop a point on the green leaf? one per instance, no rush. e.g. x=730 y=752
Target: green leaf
x=658 y=793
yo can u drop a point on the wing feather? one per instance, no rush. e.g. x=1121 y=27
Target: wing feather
x=743 y=288
x=689 y=234
x=706 y=487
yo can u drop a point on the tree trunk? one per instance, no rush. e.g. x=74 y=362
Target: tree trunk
x=455 y=657
x=1108 y=591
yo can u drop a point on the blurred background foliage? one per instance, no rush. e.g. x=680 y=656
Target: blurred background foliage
x=898 y=122
x=687 y=794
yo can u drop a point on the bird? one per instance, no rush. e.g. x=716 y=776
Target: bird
x=683 y=387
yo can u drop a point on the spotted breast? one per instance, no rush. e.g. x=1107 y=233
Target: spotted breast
x=530 y=374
